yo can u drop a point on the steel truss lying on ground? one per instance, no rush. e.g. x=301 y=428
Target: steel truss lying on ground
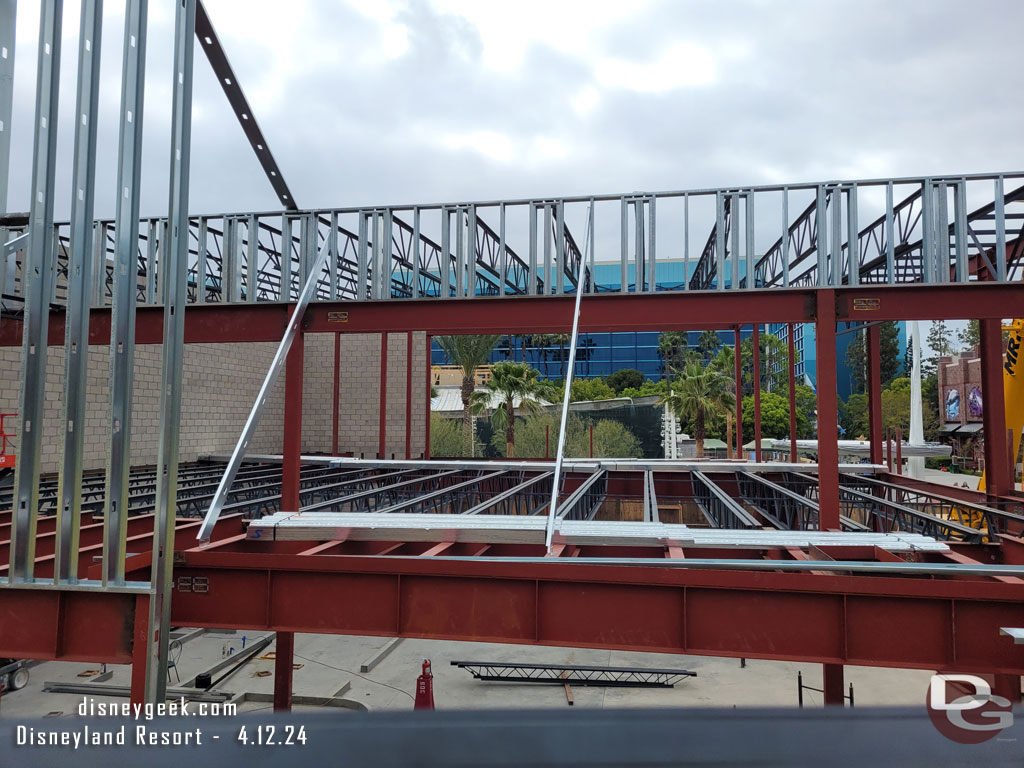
x=561 y=674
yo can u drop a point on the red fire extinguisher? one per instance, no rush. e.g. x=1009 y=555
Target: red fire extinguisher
x=425 y=688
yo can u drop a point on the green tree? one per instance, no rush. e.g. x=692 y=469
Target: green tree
x=806 y=412
x=889 y=350
x=853 y=416
x=467 y=353
x=445 y=437
x=561 y=339
x=970 y=335
x=772 y=351
x=591 y=389
x=708 y=344
x=627 y=377
x=612 y=439
x=774 y=415
x=672 y=350
x=517 y=386
x=856 y=361
x=700 y=394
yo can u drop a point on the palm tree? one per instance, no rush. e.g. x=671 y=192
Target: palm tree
x=701 y=393
x=512 y=382
x=561 y=339
x=708 y=344
x=468 y=353
x=670 y=346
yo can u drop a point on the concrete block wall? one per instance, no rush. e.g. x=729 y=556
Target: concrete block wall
x=220 y=384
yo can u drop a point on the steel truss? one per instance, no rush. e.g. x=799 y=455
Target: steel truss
x=561 y=674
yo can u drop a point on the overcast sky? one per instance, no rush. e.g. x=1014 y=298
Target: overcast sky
x=370 y=102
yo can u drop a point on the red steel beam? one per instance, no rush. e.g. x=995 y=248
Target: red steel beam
x=266 y=321
x=828 y=413
x=833 y=619
x=738 y=365
x=756 y=346
x=408 y=396
x=998 y=479
x=336 y=408
x=874 y=387
x=291 y=460
x=792 y=395
x=427 y=398
x=382 y=432
x=284 y=658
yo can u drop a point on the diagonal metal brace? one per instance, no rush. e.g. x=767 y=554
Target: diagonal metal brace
x=220 y=497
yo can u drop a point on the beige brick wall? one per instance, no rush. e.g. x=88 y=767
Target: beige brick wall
x=220 y=383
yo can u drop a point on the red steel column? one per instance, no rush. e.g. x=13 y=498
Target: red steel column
x=739 y=393
x=426 y=428
x=292 y=459
x=832 y=676
x=382 y=431
x=874 y=387
x=998 y=480
x=337 y=393
x=792 y=395
x=828 y=412
x=757 y=391
x=137 y=694
x=284 y=660
x=408 y=395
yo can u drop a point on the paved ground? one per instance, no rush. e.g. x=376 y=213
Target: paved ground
x=329 y=662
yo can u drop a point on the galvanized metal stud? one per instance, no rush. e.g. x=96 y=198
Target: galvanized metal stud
x=1000 y=214
x=890 y=237
x=445 y=256
x=560 y=260
x=942 y=233
x=852 y=237
x=652 y=278
x=549 y=276
x=386 y=251
x=821 y=220
x=719 y=240
x=785 y=237
x=99 y=262
x=960 y=230
x=502 y=252
x=362 y=255
x=252 y=238
x=38 y=281
x=173 y=356
x=471 y=255
x=749 y=237
x=286 y=258
x=836 y=261
x=8 y=30
x=460 y=252
x=590 y=239
x=686 y=242
x=734 y=251
x=332 y=254
x=639 y=276
x=927 y=232
x=624 y=245
x=76 y=344
x=416 y=257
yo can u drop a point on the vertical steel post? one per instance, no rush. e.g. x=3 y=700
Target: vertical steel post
x=874 y=387
x=624 y=244
x=532 y=286
x=785 y=240
x=200 y=261
x=639 y=273
x=122 y=328
x=1000 y=222
x=756 y=346
x=686 y=242
x=550 y=281
x=361 y=256
x=8 y=30
x=828 y=414
x=734 y=251
x=38 y=286
x=286 y=260
x=252 y=240
x=821 y=242
x=749 y=237
x=382 y=432
x=652 y=256
x=792 y=394
x=291 y=459
x=471 y=233
x=852 y=237
x=502 y=252
x=890 y=237
x=720 y=240
x=408 y=395
x=284 y=662
x=998 y=478
x=427 y=398
x=560 y=247
x=927 y=232
x=416 y=260
x=229 y=261
x=386 y=249
x=960 y=230
x=336 y=399
x=173 y=354
x=836 y=260
x=445 y=256
x=832 y=684
x=942 y=234
x=590 y=244
x=738 y=362
x=76 y=345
